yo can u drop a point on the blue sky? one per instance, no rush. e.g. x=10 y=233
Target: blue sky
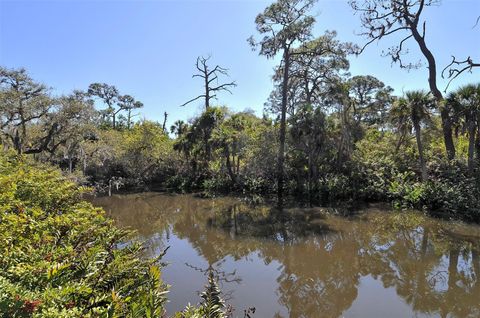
x=148 y=48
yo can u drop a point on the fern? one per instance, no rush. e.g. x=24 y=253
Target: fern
x=213 y=305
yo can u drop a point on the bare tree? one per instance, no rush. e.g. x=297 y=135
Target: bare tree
x=456 y=67
x=165 y=115
x=210 y=81
x=381 y=18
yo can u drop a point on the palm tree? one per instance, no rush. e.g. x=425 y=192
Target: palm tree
x=179 y=128
x=410 y=112
x=466 y=105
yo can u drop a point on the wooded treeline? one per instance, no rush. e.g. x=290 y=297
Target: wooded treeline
x=325 y=136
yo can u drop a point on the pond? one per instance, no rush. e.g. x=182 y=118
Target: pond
x=307 y=262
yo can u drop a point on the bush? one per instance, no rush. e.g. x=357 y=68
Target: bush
x=258 y=185
x=405 y=192
x=61 y=257
x=216 y=184
x=449 y=192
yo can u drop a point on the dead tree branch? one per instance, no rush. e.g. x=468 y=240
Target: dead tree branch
x=210 y=76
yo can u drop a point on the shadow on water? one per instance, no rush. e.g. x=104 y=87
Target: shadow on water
x=309 y=262
x=269 y=223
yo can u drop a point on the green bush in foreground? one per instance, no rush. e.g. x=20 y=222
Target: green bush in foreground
x=61 y=257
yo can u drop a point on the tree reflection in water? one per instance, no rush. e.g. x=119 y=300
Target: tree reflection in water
x=432 y=265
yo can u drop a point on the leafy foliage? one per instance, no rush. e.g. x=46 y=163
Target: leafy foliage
x=61 y=257
x=212 y=306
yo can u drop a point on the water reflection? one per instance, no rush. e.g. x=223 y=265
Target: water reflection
x=307 y=263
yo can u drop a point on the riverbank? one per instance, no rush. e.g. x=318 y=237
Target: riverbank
x=62 y=257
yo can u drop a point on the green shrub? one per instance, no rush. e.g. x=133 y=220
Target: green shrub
x=405 y=192
x=212 y=305
x=449 y=192
x=217 y=184
x=254 y=185
x=61 y=257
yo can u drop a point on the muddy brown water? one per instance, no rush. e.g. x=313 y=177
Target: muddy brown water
x=307 y=262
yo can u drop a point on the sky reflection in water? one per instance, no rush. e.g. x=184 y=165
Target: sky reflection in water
x=308 y=263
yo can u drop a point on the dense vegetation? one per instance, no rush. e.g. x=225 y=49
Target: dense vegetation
x=355 y=141
x=325 y=137
x=61 y=257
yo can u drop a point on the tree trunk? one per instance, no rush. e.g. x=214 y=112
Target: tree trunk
x=476 y=265
x=229 y=165
x=208 y=151
x=418 y=136
x=477 y=139
x=421 y=274
x=447 y=133
x=471 y=145
x=344 y=146
x=432 y=82
x=70 y=164
x=207 y=89
x=452 y=280
x=164 y=121
x=238 y=164
x=452 y=268
x=310 y=180
x=84 y=164
x=17 y=143
x=22 y=122
x=283 y=128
